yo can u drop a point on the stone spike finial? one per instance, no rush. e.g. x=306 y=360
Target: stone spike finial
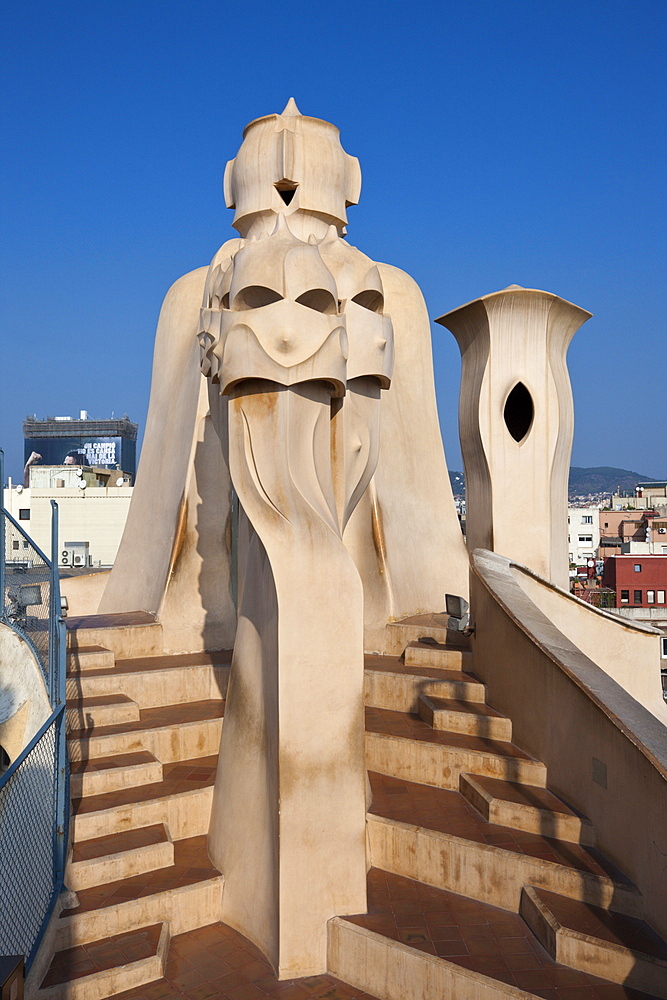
x=290 y=110
x=281 y=224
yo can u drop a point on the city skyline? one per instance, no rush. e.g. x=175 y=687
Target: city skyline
x=526 y=147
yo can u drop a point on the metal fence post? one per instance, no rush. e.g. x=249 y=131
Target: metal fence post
x=2 y=535
x=57 y=661
x=54 y=610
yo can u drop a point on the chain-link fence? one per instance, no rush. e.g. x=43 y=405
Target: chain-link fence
x=34 y=788
x=27 y=592
x=29 y=843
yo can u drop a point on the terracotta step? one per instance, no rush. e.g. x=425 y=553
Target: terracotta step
x=157 y=681
x=392 y=685
x=120 y=855
x=134 y=633
x=404 y=746
x=104 y=710
x=170 y=733
x=435 y=835
x=418 y=941
x=181 y=800
x=464 y=717
x=107 y=774
x=526 y=807
x=89 y=658
x=187 y=894
x=397 y=635
x=105 y=967
x=437 y=654
x=597 y=941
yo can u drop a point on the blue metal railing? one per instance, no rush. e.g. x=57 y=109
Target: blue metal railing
x=34 y=790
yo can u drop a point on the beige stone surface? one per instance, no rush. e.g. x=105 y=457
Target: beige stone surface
x=153 y=687
x=184 y=741
x=84 y=592
x=24 y=703
x=184 y=908
x=517 y=457
x=112 y=779
x=436 y=655
x=485 y=872
x=399 y=690
x=521 y=816
x=113 y=867
x=186 y=815
x=441 y=765
x=123 y=640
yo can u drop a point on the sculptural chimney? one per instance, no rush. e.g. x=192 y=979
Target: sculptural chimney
x=516 y=423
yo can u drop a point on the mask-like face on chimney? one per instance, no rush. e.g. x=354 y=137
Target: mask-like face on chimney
x=276 y=312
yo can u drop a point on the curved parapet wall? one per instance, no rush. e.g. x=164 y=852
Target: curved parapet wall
x=606 y=753
x=627 y=651
x=24 y=703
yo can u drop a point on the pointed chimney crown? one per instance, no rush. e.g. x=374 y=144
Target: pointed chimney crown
x=290 y=109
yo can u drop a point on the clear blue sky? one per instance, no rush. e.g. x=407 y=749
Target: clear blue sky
x=500 y=141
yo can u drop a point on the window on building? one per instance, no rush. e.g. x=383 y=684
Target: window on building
x=663 y=644
x=585 y=539
x=587 y=519
x=638 y=597
x=650 y=596
x=15 y=544
x=606 y=524
x=625 y=597
x=661 y=597
x=638 y=567
x=24 y=514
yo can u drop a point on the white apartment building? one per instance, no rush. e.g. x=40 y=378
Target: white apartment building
x=91 y=519
x=583 y=533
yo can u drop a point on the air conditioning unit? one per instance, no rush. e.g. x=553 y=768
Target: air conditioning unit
x=79 y=559
x=66 y=557
x=662 y=531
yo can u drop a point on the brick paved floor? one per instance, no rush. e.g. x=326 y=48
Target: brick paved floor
x=217 y=963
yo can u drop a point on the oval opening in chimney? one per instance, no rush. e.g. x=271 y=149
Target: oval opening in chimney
x=519 y=412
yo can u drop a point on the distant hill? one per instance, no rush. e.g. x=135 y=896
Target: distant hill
x=602 y=479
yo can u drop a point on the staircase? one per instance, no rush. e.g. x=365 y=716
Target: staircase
x=143 y=738
x=484 y=884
